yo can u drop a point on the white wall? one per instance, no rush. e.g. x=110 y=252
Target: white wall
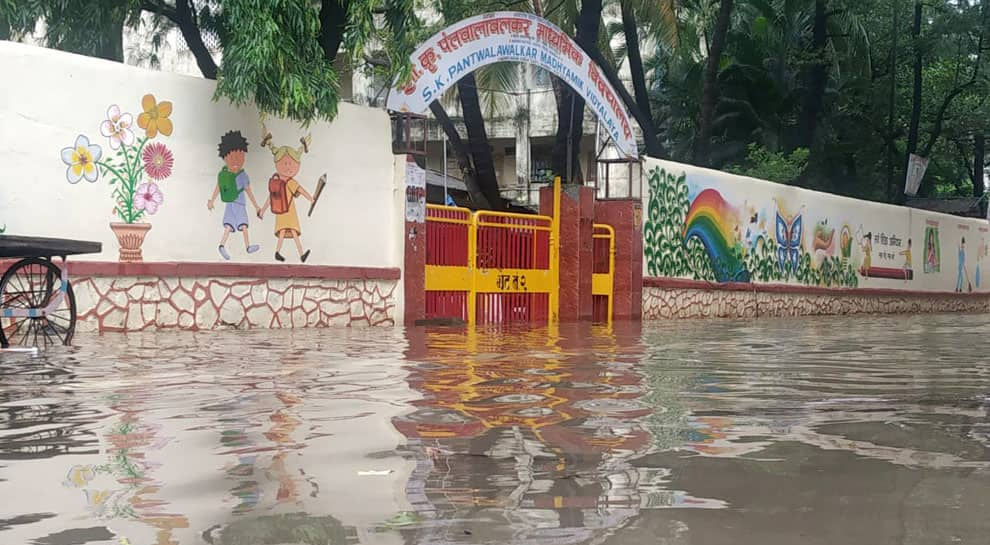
x=684 y=234
x=50 y=97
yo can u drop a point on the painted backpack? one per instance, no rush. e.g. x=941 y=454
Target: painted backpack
x=279 y=195
x=227 y=182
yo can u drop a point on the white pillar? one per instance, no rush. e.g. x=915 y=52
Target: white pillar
x=522 y=129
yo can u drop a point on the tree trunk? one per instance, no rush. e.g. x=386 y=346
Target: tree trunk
x=912 y=142
x=4 y=28
x=186 y=21
x=333 y=23
x=651 y=136
x=817 y=78
x=979 y=166
x=111 y=44
x=462 y=155
x=891 y=149
x=481 y=150
x=709 y=90
x=570 y=105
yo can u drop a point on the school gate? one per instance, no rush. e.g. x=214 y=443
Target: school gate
x=490 y=267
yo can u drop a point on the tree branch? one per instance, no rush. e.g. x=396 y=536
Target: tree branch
x=613 y=77
x=161 y=8
x=183 y=17
x=333 y=21
x=944 y=107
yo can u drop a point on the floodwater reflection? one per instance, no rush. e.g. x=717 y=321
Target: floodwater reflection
x=827 y=430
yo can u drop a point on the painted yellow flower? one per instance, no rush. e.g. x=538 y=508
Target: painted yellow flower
x=81 y=159
x=79 y=476
x=155 y=119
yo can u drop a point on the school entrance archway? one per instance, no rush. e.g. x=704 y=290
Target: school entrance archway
x=509 y=36
x=489 y=267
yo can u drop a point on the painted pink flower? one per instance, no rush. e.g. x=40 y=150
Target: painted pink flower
x=117 y=127
x=148 y=198
x=157 y=161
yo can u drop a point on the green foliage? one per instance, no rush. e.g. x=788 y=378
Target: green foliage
x=765 y=85
x=272 y=52
x=86 y=27
x=273 y=59
x=774 y=166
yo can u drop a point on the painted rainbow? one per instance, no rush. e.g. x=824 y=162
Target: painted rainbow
x=710 y=220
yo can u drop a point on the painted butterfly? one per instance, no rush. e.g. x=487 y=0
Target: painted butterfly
x=789 y=241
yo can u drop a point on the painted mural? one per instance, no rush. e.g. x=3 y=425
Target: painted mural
x=715 y=227
x=133 y=165
x=694 y=232
x=283 y=190
x=232 y=187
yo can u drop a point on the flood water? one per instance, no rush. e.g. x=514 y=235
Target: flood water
x=801 y=431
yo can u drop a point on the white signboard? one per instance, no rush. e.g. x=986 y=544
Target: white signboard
x=511 y=37
x=915 y=173
x=415 y=192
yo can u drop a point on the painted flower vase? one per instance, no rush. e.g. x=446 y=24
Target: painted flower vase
x=130 y=236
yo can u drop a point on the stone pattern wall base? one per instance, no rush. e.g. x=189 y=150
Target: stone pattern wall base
x=136 y=303
x=665 y=303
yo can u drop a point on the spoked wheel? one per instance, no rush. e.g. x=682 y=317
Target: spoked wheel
x=34 y=283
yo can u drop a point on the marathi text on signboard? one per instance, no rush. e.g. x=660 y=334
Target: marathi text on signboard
x=511 y=36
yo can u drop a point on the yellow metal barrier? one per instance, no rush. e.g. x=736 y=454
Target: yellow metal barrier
x=603 y=283
x=504 y=257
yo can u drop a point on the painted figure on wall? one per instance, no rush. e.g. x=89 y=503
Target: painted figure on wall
x=867 y=246
x=981 y=252
x=963 y=274
x=282 y=192
x=907 y=260
x=789 y=232
x=232 y=186
x=932 y=254
x=845 y=242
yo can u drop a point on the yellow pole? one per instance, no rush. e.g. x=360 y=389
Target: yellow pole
x=555 y=254
x=611 y=272
x=472 y=301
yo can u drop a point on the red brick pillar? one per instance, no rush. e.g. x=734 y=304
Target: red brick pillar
x=577 y=212
x=626 y=217
x=414 y=235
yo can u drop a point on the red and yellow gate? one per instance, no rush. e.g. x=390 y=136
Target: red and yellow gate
x=499 y=267
x=603 y=272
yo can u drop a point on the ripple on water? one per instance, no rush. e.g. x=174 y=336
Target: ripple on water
x=832 y=430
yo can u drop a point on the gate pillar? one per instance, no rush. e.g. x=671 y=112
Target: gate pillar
x=576 y=217
x=625 y=216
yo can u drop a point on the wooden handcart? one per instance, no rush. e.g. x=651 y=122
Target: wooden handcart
x=37 y=306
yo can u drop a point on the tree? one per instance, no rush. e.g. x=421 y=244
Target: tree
x=662 y=21
x=570 y=107
x=277 y=55
x=709 y=91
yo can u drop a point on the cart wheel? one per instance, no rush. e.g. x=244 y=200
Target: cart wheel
x=32 y=284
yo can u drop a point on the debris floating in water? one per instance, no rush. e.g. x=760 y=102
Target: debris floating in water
x=375 y=472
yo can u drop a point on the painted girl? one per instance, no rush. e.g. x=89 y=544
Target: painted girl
x=867 y=246
x=282 y=192
x=931 y=258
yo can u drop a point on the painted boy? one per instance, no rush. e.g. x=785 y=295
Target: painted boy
x=232 y=184
x=282 y=192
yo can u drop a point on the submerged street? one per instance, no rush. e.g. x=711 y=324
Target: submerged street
x=870 y=430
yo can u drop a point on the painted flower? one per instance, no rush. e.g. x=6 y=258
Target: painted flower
x=81 y=159
x=117 y=127
x=155 y=119
x=79 y=476
x=148 y=198
x=157 y=161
